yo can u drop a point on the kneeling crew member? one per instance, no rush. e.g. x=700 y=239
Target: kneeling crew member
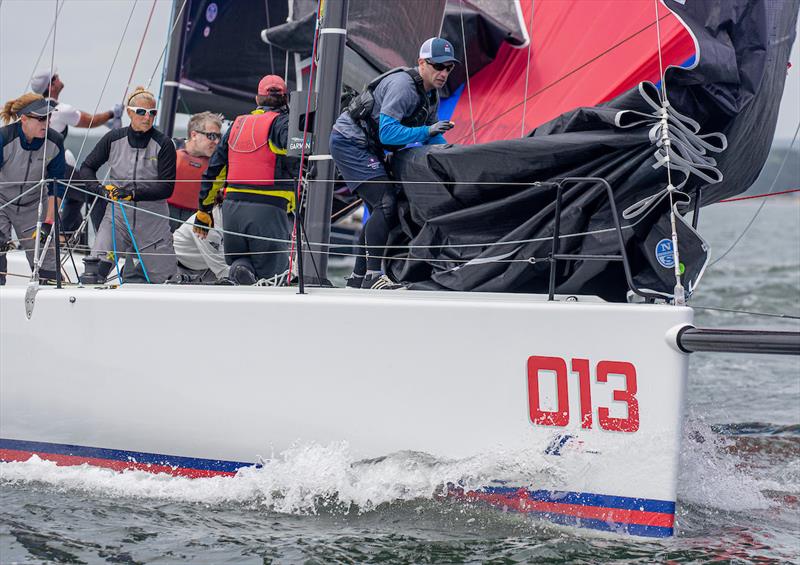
x=142 y=169
x=203 y=134
x=251 y=158
x=397 y=108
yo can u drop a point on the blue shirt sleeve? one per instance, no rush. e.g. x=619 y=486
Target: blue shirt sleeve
x=392 y=132
x=55 y=170
x=437 y=139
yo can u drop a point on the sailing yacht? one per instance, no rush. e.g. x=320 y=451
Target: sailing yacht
x=528 y=249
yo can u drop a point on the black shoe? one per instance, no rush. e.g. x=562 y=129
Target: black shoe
x=242 y=275
x=354 y=281
x=183 y=278
x=379 y=282
x=225 y=281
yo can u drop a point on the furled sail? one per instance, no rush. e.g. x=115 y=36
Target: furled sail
x=226 y=52
x=476 y=219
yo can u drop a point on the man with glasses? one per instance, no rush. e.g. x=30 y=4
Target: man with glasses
x=251 y=163
x=396 y=109
x=192 y=155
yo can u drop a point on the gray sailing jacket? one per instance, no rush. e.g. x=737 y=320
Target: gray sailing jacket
x=21 y=163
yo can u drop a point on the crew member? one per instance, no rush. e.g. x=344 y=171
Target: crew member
x=48 y=83
x=397 y=108
x=141 y=163
x=29 y=151
x=203 y=134
x=251 y=158
x=201 y=260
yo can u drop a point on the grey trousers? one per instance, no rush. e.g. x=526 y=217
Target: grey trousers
x=152 y=236
x=264 y=258
x=23 y=220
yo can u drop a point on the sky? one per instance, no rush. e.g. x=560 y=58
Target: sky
x=89 y=32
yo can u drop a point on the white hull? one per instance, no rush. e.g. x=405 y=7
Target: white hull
x=202 y=380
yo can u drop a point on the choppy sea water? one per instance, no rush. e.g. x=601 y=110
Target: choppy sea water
x=739 y=491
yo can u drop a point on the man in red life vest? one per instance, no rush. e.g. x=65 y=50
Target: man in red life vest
x=251 y=162
x=203 y=135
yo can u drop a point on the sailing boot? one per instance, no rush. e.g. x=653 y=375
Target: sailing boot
x=379 y=281
x=354 y=281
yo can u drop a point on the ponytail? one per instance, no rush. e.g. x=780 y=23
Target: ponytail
x=10 y=110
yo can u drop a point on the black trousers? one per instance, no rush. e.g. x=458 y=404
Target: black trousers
x=256 y=221
x=380 y=196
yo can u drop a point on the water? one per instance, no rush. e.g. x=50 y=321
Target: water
x=739 y=487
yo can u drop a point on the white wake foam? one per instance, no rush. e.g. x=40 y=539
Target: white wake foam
x=304 y=479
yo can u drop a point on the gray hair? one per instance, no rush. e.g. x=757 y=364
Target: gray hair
x=199 y=121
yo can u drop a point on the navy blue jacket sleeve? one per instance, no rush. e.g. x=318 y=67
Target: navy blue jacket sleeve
x=56 y=169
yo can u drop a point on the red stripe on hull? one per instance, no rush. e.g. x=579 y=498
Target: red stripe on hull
x=72 y=460
x=521 y=503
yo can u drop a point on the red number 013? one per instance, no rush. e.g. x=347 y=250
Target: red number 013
x=561 y=416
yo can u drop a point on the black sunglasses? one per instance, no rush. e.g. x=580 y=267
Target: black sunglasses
x=441 y=66
x=211 y=135
x=143 y=111
x=37 y=118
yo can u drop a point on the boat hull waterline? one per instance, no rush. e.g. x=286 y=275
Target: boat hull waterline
x=203 y=381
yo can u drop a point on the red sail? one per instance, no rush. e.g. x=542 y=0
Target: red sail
x=584 y=52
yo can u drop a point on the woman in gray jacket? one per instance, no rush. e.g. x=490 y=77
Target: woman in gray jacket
x=141 y=177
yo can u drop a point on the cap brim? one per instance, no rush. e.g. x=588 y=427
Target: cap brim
x=444 y=59
x=37 y=108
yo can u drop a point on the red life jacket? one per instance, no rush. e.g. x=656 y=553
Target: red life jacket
x=250 y=160
x=187 y=168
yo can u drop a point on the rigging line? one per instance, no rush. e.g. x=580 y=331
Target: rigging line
x=759 y=196
x=41 y=52
x=21 y=194
x=139 y=50
x=346 y=211
x=271 y=61
x=734 y=311
x=37 y=260
x=299 y=189
x=527 y=75
x=175 y=24
x=94 y=113
x=441 y=246
x=678 y=293
x=466 y=70
x=763 y=202
x=561 y=78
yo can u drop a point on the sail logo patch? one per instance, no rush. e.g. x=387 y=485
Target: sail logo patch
x=211 y=12
x=664 y=254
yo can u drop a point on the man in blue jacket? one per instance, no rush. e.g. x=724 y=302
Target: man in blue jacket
x=398 y=108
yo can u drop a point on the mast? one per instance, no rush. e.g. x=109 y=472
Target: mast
x=169 y=90
x=317 y=218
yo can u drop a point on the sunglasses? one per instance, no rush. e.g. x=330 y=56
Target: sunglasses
x=211 y=135
x=143 y=111
x=441 y=66
x=37 y=118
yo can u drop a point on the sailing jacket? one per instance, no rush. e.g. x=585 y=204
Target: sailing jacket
x=143 y=161
x=250 y=159
x=21 y=163
x=393 y=111
x=188 y=174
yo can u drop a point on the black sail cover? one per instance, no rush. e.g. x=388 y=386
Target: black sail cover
x=480 y=217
